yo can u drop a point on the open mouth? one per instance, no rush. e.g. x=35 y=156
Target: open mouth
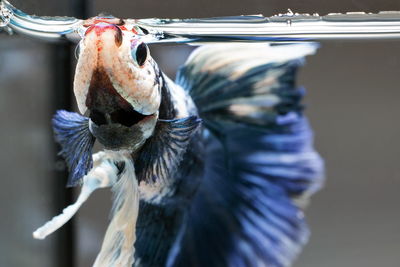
x=124 y=117
x=106 y=105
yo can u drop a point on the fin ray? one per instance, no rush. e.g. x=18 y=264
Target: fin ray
x=72 y=132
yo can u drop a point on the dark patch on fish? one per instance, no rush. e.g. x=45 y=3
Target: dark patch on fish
x=120 y=166
x=102 y=95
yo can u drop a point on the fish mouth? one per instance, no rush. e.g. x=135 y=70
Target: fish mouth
x=118 y=116
x=106 y=106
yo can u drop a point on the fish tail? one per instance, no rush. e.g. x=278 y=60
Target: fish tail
x=260 y=163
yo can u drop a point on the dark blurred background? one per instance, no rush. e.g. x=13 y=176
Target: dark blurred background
x=353 y=103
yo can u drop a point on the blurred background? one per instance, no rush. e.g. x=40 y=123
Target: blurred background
x=353 y=103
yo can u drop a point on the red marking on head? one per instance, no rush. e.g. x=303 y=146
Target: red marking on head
x=123 y=28
x=99 y=45
x=101 y=27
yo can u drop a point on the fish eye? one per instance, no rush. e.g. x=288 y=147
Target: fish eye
x=140 y=54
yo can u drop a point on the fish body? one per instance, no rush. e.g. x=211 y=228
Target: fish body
x=220 y=158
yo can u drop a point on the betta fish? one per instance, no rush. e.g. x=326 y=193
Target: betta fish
x=212 y=169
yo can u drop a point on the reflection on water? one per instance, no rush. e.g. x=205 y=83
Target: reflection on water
x=286 y=27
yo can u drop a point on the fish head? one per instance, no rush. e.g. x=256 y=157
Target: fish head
x=117 y=83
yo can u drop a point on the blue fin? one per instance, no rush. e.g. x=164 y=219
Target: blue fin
x=161 y=154
x=244 y=213
x=249 y=84
x=260 y=158
x=72 y=132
